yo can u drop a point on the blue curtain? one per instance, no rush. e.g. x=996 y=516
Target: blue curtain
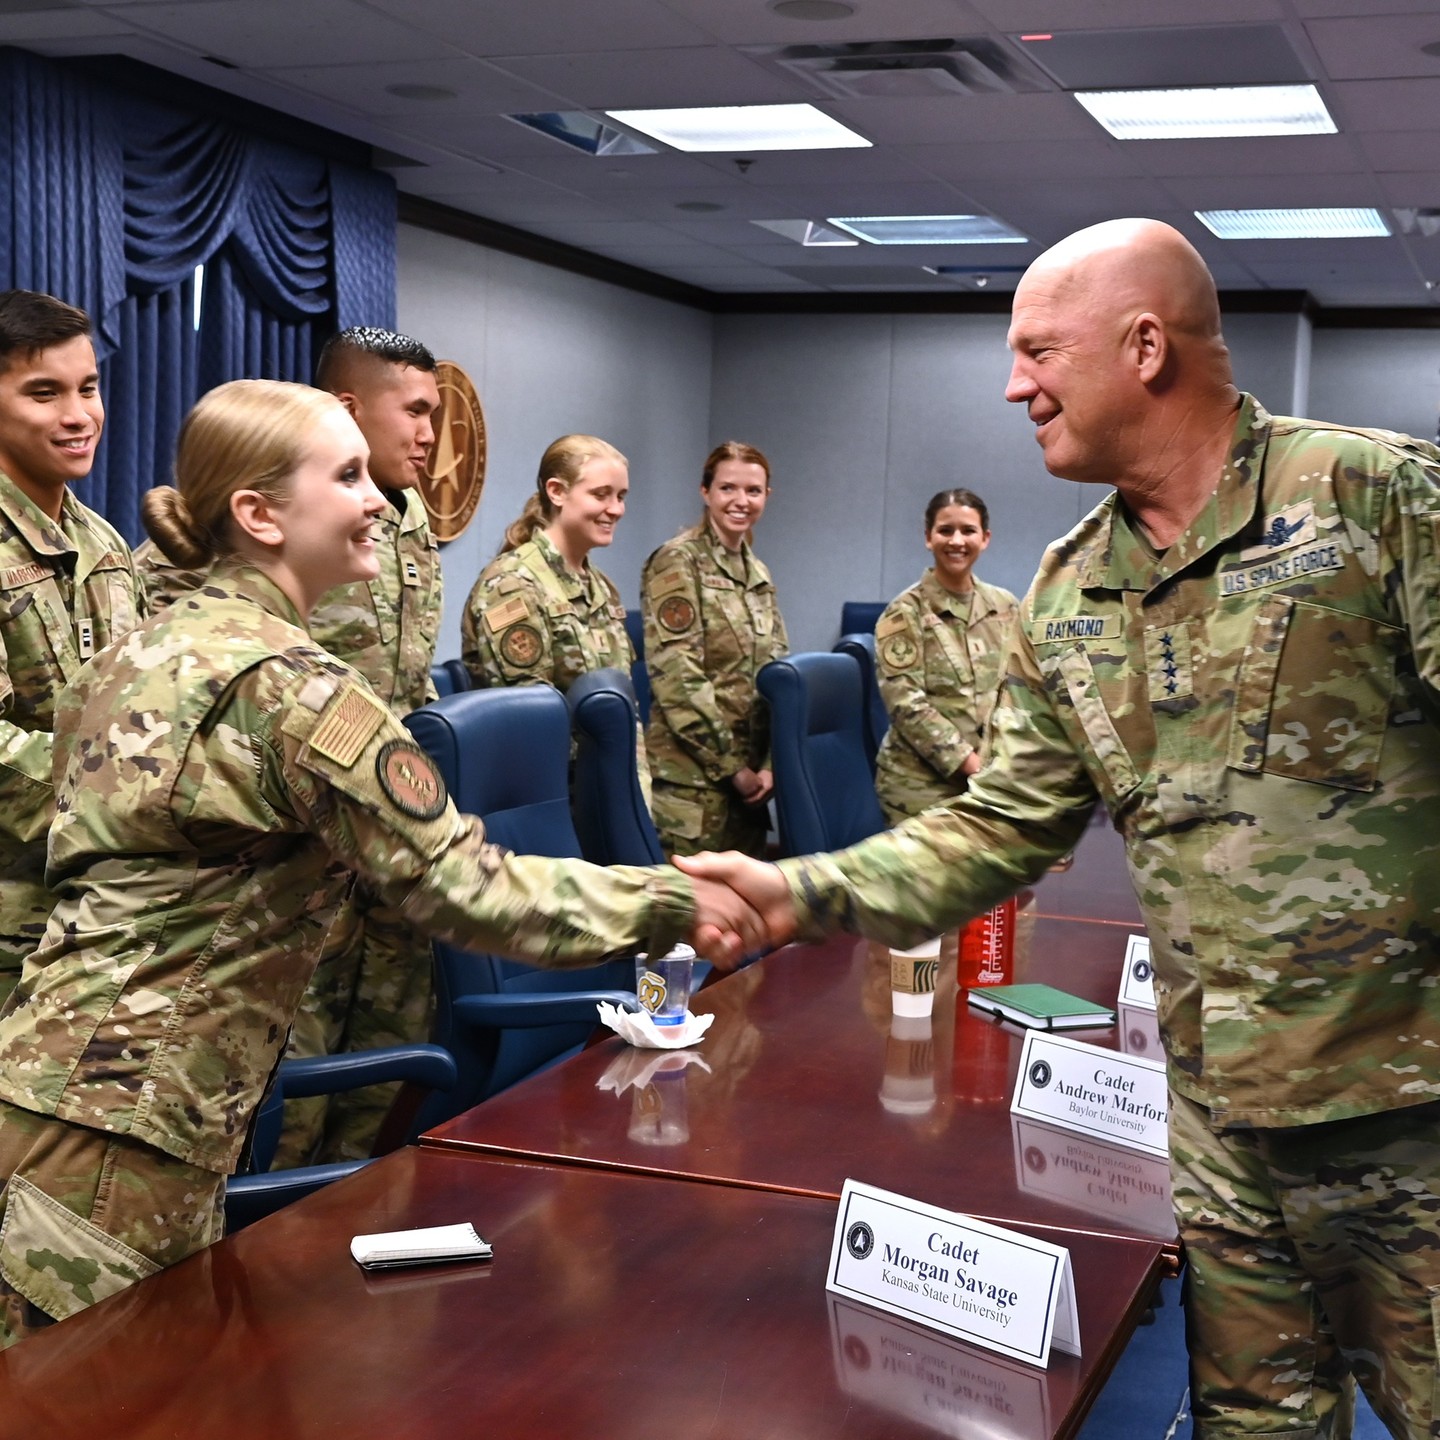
x=115 y=202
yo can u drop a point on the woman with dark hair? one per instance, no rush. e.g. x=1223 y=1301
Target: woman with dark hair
x=939 y=650
x=711 y=622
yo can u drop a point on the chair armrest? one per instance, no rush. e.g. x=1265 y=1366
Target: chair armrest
x=528 y=1012
x=252 y=1197
x=427 y=1065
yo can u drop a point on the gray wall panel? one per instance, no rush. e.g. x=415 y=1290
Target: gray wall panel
x=1389 y=378
x=552 y=352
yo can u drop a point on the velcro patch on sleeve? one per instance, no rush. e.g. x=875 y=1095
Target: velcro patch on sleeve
x=667 y=581
x=889 y=624
x=348 y=724
x=676 y=614
x=505 y=613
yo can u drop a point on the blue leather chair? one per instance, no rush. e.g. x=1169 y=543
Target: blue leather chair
x=639 y=675
x=860 y=616
x=824 y=789
x=261 y=1191
x=611 y=817
x=861 y=648
x=505 y=755
x=450 y=677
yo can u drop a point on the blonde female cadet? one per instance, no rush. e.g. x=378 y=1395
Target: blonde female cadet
x=540 y=611
x=221 y=782
x=939 y=649
x=711 y=622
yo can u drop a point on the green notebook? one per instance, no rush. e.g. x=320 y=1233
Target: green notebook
x=1040 y=1007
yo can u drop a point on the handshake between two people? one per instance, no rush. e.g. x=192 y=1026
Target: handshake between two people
x=742 y=906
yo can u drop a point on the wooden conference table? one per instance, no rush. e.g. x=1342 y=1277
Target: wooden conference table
x=805 y=1080
x=625 y=1299
x=619 y=1307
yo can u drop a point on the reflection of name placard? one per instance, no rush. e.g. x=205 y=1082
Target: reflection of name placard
x=1137 y=980
x=1094 y=1177
x=1139 y=1031
x=917 y=1375
x=1114 y=1097
x=992 y=1287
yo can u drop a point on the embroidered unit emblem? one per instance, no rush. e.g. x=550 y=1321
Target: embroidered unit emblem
x=409 y=777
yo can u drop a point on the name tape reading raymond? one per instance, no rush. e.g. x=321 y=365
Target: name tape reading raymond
x=993 y=1287
x=1114 y=1097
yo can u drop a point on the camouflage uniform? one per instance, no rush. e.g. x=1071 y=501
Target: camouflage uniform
x=66 y=590
x=939 y=658
x=1256 y=706
x=711 y=622
x=222 y=780
x=372 y=986
x=530 y=620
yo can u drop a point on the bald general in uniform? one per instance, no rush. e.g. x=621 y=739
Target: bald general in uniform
x=1237 y=653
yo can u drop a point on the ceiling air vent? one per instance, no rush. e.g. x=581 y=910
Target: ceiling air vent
x=978 y=66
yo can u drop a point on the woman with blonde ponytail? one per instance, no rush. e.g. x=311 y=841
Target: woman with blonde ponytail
x=221 y=781
x=540 y=611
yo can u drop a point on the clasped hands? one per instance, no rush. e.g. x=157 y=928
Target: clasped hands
x=742 y=905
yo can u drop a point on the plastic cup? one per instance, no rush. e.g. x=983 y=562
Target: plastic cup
x=663 y=984
x=912 y=978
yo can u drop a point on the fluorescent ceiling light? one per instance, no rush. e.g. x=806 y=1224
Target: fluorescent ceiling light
x=929 y=229
x=1293 y=224
x=1231 y=111
x=743 y=127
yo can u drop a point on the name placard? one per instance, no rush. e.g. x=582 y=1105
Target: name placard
x=948 y=1387
x=1102 y=1093
x=1094 y=1177
x=993 y=1287
x=1137 y=980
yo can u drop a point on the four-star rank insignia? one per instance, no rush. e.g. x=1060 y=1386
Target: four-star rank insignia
x=1167 y=662
x=409 y=777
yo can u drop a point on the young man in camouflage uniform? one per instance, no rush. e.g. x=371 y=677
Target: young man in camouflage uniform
x=67 y=582
x=1239 y=654
x=373 y=986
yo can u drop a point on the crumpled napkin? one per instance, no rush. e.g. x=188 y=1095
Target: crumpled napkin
x=641 y=1030
x=635 y=1069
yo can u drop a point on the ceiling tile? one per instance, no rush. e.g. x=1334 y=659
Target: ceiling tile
x=480 y=88
x=1371 y=49
x=1255 y=155
x=950 y=120
x=656 y=79
x=751 y=22
x=1401 y=150
x=547 y=27
x=599 y=175
x=1271 y=192
x=1056 y=160
x=1362 y=105
x=1022 y=15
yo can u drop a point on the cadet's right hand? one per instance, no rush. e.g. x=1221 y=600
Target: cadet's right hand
x=762 y=885
x=727 y=927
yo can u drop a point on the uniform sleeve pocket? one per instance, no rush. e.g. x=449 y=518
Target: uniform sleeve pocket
x=1076 y=676
x=1313 y=694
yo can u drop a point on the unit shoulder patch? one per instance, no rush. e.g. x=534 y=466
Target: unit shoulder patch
x=410 y=780
x=676 y=614
x=521 y=646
